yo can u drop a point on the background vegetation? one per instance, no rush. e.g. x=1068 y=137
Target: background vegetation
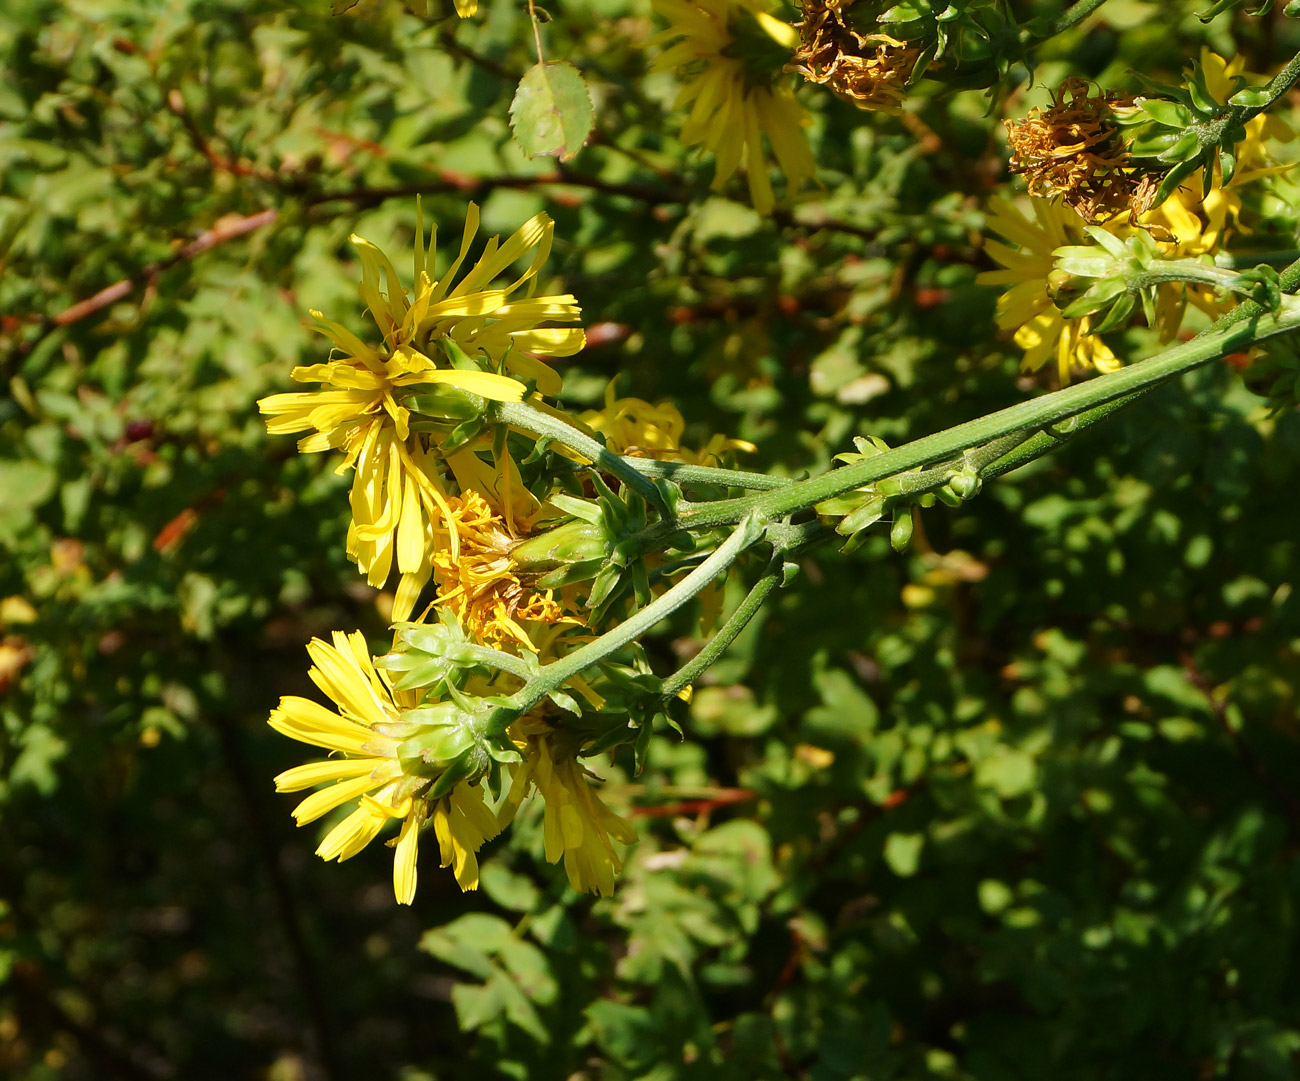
x=1020 y=804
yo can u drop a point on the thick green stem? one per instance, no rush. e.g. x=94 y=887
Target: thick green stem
x=539 y=422
x=1226 y=336
x=682 y=473
x=554 y=675
x=717 y=646
x=1044 y=441
x=1050 y=438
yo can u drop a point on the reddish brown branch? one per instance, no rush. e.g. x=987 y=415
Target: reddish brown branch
x=221 y=232
x=720 y=798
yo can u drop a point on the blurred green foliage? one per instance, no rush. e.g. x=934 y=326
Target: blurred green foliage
x=1017 y=805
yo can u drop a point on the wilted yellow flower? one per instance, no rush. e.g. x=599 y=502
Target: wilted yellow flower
x=638 y=429
x=397 y=490
x=481 y=586
x=577 y=826
x=868 y=70
x=385 y=786
x=1027 y=307
x=1073 y=150
x=729 y=56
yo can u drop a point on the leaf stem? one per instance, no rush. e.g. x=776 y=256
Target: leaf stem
x=537 y=31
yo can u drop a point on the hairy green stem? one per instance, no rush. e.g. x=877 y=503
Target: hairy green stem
x=1188 y=270
x=682 y=473
x=1049 y=439
x=1273 y=89
x=1044 y=441
x=726 y=634
x=554 y=675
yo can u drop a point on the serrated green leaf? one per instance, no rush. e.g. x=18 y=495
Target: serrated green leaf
x=551 y=112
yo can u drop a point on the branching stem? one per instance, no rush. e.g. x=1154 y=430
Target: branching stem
x=554 y=675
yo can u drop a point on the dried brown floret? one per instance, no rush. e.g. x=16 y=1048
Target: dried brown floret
x=869 y=70
x=1073 y=150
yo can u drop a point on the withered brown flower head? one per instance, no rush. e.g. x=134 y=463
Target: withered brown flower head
x=869 y=70
x=1073 y=150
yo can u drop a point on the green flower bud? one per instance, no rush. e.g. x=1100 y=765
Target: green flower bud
x=573 y=542
x=900 y=533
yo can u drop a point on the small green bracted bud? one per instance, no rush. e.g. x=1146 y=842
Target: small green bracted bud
x=966 y=484
x=453 y=740
x=900 y=533
x=444 y=640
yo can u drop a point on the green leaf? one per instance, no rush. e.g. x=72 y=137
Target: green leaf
x=903 y=853
x=551 y=112
x=1168 y=113
x=1252 y=97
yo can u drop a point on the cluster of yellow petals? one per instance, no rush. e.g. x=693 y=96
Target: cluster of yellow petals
x=370 y=772
x=398 y=490
x=480 y=585
x=638 y=429
x=577 y=826
x=730 y=109
x=1026 y=307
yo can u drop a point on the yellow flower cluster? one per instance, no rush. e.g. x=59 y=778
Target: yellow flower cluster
x=577 y=826
x=1185 y=225
x=399 y=487
x=372 y=773
x=449 y=507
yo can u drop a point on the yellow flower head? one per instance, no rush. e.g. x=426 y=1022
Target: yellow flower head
x=1027 y=307
x=638 y=429
x=733 y=92
x=481 y=587
x=577 y=826
x=397 y=491
x=384 y=786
